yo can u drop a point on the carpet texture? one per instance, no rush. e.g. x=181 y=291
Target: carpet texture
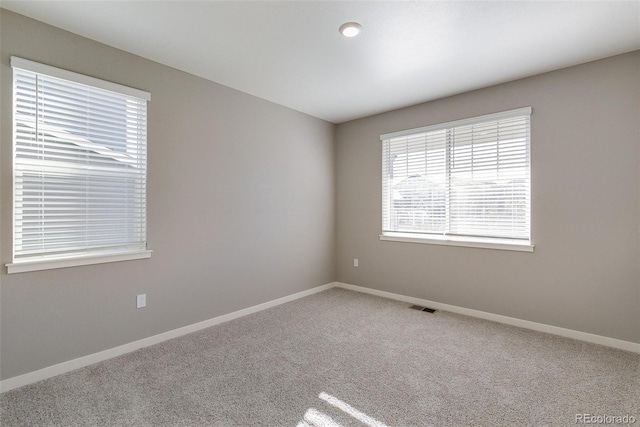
x=341 y=358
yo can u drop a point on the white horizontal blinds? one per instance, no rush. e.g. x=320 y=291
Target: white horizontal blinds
x=414 y=183
x=468 y=178
x=79 y=168
x=489 y=179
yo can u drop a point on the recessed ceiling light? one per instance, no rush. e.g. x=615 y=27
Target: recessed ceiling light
x=350 y=29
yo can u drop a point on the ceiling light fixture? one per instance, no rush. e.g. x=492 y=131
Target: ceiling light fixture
x=350 y=29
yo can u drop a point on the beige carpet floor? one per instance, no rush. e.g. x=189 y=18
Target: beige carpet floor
x=341 y=358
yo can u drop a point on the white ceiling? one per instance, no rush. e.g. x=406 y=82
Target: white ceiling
x=409 y=52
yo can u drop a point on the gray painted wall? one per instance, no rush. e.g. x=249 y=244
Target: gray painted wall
x=240 y=201
x=584 y=273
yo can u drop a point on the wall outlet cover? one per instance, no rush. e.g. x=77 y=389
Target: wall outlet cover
x=141 y=301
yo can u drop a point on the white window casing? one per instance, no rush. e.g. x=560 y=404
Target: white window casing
x=461 y=183
x=79 y=169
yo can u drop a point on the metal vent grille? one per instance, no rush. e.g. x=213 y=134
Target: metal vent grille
x=421 y=308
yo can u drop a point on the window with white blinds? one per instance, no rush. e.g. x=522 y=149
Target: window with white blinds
x=464 y=179
x=79 y=165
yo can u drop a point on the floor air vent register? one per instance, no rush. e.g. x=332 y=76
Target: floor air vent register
x=421 y=308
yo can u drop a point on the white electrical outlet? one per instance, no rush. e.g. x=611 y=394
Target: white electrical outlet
x=141 y=301
x=355 y=262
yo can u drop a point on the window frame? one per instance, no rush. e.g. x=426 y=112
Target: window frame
x=514 y=244
x=86 y=256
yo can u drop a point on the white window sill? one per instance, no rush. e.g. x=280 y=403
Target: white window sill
x=470 y=242
x=51 y=263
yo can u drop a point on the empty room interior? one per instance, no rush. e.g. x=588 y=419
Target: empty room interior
x=320 y=213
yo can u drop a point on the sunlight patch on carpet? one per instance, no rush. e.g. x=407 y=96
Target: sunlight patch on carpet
x=315 y=418
x=345 y=407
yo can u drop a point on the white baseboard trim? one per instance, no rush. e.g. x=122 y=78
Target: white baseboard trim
x=81 y=362
x=540 y=327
